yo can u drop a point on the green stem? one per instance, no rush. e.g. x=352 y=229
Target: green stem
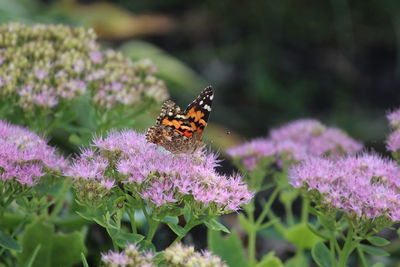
x=332 y=241
x=17 y=229
x=131 y=214
x=278 y=225
x=189 y=226
x=252 y=234
x=267 y=205
x=362 y=257
x=347 y=248
x=289 y=214
x=153 y=225
x=300 y=256
x=304 y=210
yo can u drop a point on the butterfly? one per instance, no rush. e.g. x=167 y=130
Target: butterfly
x=181 y=131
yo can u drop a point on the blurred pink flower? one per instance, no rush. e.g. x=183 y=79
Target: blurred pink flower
x=365 y=185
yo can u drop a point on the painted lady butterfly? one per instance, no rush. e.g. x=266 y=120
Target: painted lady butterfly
x=181 y=132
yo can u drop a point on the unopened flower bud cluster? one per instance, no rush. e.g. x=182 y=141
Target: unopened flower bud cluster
x=43 y=65
x=174 y=256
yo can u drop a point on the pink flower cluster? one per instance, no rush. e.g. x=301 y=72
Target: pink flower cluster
x=296 y=141
x=393 y=140
x=365 y=185
x=46 y=65
x=174 y=256
x=25 y=156
x=131 y=256
x=158 y=176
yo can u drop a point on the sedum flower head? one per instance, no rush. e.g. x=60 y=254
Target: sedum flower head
x=179 y=255
x=175 y=256
x=393 y=140
x=163 y=179
x=394 y=118
x=296 y=141
x=44 y=65
x=130 y=257
x=25 y=157
x=366 y=186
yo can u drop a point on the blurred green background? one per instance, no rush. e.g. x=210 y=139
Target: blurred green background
x=269 y=61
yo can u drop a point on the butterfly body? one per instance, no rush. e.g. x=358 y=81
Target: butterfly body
x=181 y=131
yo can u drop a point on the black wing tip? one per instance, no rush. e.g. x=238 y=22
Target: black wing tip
x=208 y=88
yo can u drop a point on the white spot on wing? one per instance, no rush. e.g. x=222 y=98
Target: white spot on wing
x=211 y=97
x=207 y=107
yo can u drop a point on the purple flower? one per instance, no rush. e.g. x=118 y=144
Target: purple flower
x=96 y=56
x=131 y=256
x=365 y=185
x=393 y=141
x=394 y=118
x=158 y=176
x=25 y=156
x=296 y=141
x=41 y=74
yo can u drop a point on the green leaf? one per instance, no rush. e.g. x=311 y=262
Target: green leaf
x=215 y=225
x=85 y=216
x=317 y=232
x=37 y=233
x=379 y=264
x=33 y=257
x=173 y=71
x=301 y=236
x=378 y=241
x=100 y=221
x=55 y=249
x=122 y=238
x=179 y=230
x=321 y=255
x=75 y=140
x=8 y=242
x=170 y=219
x=187 y=213
x=327 y=222
x=147 y=246
x=270 y=260
x=288 y=195
x=299 y=260
x=67 y=249
x=373 y=251
x=230 y=248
